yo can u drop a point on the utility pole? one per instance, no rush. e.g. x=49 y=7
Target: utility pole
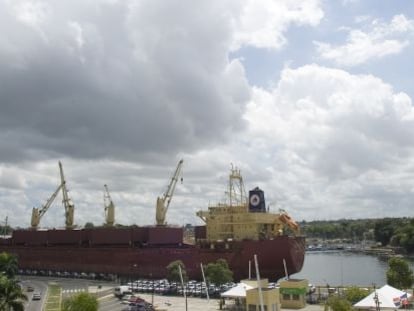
x=376 y=299
x=182 y=284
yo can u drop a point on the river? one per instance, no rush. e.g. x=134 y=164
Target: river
x=344 y=268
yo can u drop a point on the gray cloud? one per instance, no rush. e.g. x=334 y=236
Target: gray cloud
x=121 y=90
x=116 y=80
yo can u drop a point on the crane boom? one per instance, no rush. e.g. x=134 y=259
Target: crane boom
x=67 y=202
x=109 y=208
x=164 y=201
x=37 y=213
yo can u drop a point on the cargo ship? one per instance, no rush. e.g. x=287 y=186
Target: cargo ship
x=234 y=230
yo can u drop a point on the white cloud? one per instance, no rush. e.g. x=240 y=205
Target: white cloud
x=10 y=178
x=334 y=142
x=264 y=25
x=379 y=40
x=32 y=14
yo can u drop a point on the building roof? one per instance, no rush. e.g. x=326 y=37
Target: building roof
x=239 y=291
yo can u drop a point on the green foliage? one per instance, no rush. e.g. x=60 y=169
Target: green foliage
x=399 y=274
x=11 y=295
x=173 y=272
x=384 y=230
x=404 y=236
x=336 y=303
x=394 y=231
x=218 y=272
x=354 y=294
x=89 y=225
x=82 y=301
x=339 y=229
x=8 y=264
x=5 y=230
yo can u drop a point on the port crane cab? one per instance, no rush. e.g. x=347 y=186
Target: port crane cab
x=37 y=213
x=67 y=202
x=109 y=208
x=164 y=201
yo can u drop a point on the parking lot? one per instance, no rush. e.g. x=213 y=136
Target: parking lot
x=162 y=294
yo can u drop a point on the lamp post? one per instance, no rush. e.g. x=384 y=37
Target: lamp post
x=134 y=273
x=184 y=289
x=376 y=300
x=152 y=289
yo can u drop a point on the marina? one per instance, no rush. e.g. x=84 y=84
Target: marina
x=344 y=268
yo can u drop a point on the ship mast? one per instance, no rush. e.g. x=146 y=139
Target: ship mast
x=67 y=202
x=237 y=192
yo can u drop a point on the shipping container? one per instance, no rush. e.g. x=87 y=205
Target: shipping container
x=139 y=235
x=29 y=237
x=165 y=235
x=64 y=237
x=5 y=241
x=111 y=236
x=86 y=236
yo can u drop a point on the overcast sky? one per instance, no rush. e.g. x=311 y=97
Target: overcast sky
x=312 y=100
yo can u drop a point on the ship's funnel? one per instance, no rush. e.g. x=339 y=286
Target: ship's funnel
x=257 y=201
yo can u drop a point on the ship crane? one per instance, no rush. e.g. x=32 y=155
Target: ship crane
x=37 y=213
x=164 y=201
x=109 y=208
x=67 y=202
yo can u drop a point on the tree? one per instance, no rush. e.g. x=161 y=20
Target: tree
x=384 y=229
x=11 y=295
x=8 y=264
x=404 y=236
x=336 y=303
x=173 y=274
x=218 y=272
x=82 y=301
x=399 y=273
x=89 y=225
x=354 y=294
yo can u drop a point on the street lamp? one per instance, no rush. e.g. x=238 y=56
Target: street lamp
x=376 y=300
x=152 y=289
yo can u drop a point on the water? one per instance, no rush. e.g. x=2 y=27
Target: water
x=344 y=268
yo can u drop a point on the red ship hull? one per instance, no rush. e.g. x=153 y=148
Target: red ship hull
x=143 y=254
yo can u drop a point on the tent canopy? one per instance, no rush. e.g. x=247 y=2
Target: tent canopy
x=239 y=291
x=388 y=298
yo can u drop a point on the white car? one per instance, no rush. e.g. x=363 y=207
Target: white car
x=36 y=296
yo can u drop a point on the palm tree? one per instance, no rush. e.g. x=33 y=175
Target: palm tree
x=11 y=295
x=8 y=264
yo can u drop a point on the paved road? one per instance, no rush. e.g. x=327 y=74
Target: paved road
x=39 y=286
x=69 y=287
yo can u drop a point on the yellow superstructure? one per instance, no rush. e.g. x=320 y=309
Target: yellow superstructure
x=240 y=218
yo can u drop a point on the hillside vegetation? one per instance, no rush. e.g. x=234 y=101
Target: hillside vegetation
x=396 y=232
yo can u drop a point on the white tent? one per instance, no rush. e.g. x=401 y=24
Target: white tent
x=239 y=291
x=388 y=298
